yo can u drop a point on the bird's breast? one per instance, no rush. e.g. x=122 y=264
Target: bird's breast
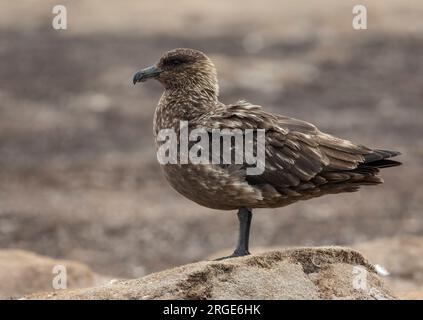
x=211 y=186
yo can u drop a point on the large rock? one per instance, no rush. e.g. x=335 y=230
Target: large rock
x=23 y=272
x=299 y=273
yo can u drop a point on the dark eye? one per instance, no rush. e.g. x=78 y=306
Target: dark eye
x=175 y=62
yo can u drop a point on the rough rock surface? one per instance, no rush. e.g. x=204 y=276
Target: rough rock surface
x=23 y=272
x=298 y=273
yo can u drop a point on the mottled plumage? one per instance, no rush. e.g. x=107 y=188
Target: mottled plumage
x=301 y=161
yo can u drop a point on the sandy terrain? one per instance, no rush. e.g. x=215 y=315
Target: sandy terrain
x=78 y=173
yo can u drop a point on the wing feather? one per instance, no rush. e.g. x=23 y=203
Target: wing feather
x=297 y=153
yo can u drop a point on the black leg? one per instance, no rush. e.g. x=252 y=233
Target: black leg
x=244 y=216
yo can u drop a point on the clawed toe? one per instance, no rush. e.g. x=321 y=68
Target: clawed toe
x=234 y=255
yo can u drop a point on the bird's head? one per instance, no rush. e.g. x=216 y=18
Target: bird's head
x=184 y=69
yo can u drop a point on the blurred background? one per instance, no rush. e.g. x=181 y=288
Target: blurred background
x=79 y=178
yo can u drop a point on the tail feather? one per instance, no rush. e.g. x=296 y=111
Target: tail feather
x=385 y=163
x=379 y=159
x=378 y=154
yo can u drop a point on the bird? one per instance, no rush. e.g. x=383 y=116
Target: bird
x=301 y=162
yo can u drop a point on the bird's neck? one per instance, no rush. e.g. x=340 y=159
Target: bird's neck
x=183 y=105
x=192 y=93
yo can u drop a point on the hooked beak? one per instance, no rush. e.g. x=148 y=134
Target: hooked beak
x=147 y=73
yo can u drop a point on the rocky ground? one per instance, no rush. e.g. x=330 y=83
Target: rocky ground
x=271 y=273
x=23 y=272
x=301 y=273
x=401 y=257
x=78 y=174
